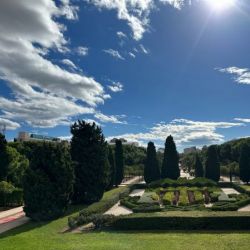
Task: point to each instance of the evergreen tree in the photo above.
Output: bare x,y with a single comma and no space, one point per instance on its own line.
245,163
151,168
212,164
112,168
89,153
4,158
199,172
119,162
48,182
170,165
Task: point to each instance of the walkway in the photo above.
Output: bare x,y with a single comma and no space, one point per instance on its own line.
12,218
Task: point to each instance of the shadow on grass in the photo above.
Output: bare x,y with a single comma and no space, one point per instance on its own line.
38,224
192,231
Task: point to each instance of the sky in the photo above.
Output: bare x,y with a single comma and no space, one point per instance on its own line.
141,69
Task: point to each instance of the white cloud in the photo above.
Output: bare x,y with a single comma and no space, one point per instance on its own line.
82,51
114,53
120,34
69,63
143,49
242,75
245,120
185,132
116,87
110,118
132,54
44,94
9,125
178,4
134,12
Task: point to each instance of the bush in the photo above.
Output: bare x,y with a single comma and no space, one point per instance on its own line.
130,201
109,199
147,208
48,183
102,220
196,182
149,198
184,221
9,195
167,198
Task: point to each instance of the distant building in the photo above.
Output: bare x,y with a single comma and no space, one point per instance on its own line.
124,142
190,150
25,136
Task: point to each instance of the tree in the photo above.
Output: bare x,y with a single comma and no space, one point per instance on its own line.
119,162
151,169
198,167
170,164
4,158
212,164
48,182
112,168
89,153
245,163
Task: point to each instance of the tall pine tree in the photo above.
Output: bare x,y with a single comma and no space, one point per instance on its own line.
119,162
170,165
199,172
245,163
151,168
112,168
212,164
89,152
4,158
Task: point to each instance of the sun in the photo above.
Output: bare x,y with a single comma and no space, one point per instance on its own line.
220,5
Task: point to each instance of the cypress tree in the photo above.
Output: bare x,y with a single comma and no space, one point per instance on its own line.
212,164
4,158
199,172
170,164
119,162
112,168
244,163
151,167
89,153
48,182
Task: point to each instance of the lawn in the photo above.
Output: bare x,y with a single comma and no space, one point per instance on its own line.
47,236
246,187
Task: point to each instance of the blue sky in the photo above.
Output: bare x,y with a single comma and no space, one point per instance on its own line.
142,69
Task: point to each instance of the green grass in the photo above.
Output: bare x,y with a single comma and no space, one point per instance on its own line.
47,236
246,187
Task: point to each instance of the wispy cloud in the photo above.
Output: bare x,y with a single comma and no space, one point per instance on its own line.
245,120
110,118
114,53
242,75
116,87
185,132
121,35
143,49
132,54
69,63
82,51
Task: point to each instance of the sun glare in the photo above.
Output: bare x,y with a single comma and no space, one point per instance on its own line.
220,5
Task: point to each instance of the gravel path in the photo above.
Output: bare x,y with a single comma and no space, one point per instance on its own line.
245,209
228,191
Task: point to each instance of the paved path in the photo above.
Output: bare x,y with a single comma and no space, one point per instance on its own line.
117,209
228,191
134,180
245,209
12,218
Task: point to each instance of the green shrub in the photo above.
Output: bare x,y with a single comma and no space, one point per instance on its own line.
198,197
9,195
109,199
167,198
147,197
102,220
214,197
147,208
130,201
172,221
183,198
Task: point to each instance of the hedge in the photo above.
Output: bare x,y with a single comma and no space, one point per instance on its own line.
196,182
9,195
184,221
109,199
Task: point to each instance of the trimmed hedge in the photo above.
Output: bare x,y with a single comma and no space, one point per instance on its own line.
109,199
196,182
186,221
9,195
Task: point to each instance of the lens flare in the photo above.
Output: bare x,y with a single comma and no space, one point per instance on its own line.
220,5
